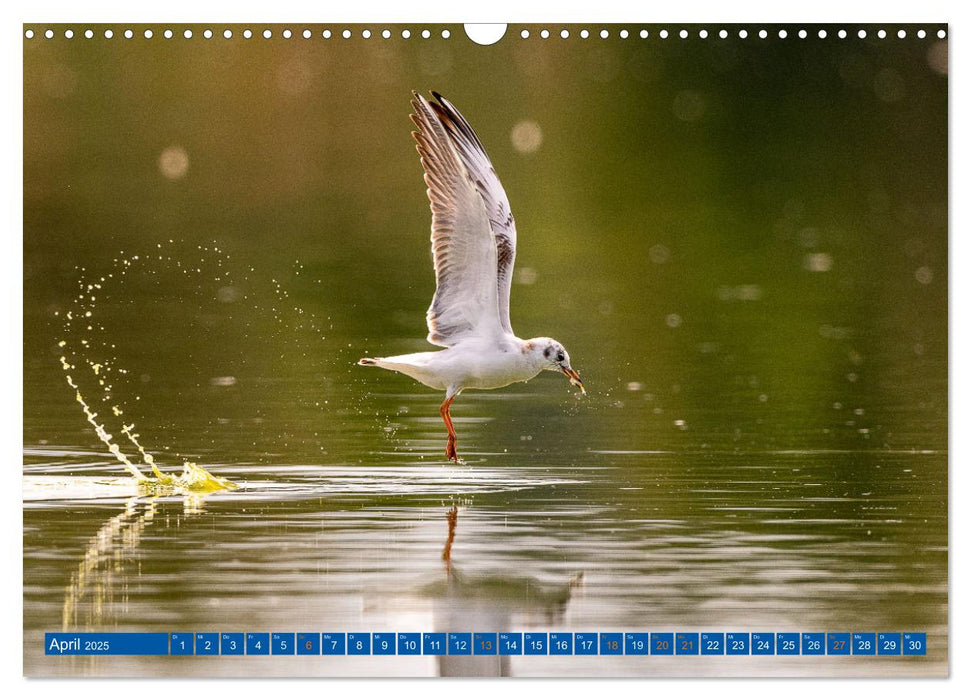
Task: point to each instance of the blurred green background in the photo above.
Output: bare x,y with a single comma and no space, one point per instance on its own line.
747,231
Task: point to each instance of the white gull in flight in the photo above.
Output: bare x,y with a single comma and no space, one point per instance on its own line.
474,248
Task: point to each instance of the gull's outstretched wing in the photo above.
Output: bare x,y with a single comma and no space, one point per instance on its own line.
473,232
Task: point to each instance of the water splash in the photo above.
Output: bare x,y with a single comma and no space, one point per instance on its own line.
193,479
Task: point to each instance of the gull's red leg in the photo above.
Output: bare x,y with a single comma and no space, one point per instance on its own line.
450,450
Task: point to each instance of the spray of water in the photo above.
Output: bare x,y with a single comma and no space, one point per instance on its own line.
193,477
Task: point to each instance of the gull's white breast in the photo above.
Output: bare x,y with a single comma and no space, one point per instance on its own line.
474,363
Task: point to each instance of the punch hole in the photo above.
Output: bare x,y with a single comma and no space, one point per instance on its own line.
644,34
405,34
69,34
841,33
703,34
545,34
822,34
742,34
425,34
723,34
228,34
486,34
247,34
167,33
366,34
207,34
49,34
88,34
882,34
803,33
902,34
921,34
187,34
129,33
287,34
783,33
148,34
307,33
446,34
941,34
325,34
604,33
267,34
386,34
346,34
683,33
624,34
524,34
861,33
763,34
584,34
663,34
564,34
29,34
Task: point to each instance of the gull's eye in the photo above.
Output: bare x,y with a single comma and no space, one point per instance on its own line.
560,357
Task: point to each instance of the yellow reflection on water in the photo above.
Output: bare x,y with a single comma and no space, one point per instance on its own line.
99,585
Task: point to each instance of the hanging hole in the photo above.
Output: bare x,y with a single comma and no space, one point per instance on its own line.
485,34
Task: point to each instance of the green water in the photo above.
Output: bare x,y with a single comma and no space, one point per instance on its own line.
743,245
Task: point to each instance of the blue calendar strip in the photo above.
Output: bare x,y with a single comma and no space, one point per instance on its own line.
106,644
686,644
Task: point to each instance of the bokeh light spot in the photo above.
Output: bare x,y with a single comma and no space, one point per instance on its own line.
937,57
526,136
689,106
173,163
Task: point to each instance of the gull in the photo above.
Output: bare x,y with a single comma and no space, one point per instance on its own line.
473,249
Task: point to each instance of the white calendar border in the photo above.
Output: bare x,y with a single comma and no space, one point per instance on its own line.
765,11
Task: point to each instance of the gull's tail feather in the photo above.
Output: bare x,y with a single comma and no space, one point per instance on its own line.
367,362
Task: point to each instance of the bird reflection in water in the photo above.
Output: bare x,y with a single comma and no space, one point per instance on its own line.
492,604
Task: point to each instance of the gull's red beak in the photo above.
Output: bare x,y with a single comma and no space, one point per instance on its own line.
574,378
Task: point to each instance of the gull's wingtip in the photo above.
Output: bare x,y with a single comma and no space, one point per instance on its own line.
366,362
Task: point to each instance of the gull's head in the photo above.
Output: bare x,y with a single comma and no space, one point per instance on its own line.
550,354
